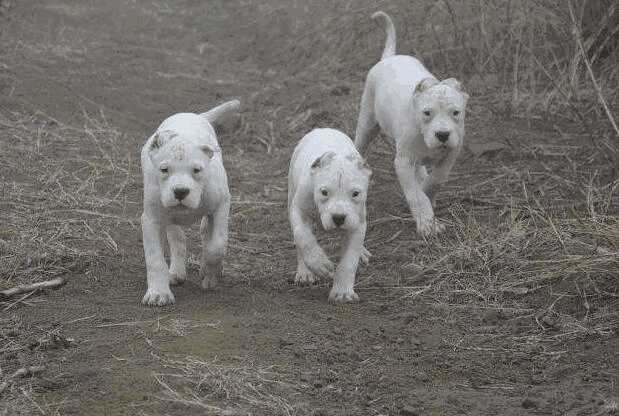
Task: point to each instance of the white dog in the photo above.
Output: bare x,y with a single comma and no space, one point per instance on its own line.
425,117
184,181
327,175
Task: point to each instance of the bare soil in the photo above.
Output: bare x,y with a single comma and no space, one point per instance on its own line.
259,345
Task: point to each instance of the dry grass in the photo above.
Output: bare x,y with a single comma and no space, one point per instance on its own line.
517,58
216,388
533,237
65,193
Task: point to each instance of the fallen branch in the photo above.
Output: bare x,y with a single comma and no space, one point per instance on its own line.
22,372
48,284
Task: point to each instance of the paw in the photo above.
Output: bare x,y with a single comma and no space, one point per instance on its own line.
343,295
429,227
365,255
305,278
211,274
177,278
159,297
317,261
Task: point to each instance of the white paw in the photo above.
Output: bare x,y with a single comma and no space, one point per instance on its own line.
305,278
158,297
177,278
343,295
429,227
365,255
211,274
317,261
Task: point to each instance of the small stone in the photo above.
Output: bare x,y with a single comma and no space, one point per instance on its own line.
340,90
409,411
529,403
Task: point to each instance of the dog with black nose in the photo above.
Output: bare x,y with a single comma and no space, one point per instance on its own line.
328,184
184,182
423,115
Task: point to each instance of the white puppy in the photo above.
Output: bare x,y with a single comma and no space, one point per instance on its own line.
425,117
184,181
328,176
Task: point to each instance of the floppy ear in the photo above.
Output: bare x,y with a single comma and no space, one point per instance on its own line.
364,167
361,163
323,160
425,83
161,138
208,150
453,83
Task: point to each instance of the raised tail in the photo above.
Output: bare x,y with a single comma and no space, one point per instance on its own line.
390,30
223,112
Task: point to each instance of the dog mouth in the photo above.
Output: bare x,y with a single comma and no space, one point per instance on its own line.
180,207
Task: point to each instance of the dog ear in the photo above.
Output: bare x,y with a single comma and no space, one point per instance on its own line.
161,138
323,160
208,150
364,167
453,83
361,163
425,83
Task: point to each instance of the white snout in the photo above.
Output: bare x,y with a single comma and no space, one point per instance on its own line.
340,215
442,132
181,191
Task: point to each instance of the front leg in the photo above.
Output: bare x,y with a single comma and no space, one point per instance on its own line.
304,276
440,173
158,292
310,252
344,279
178,254
408,171
214,232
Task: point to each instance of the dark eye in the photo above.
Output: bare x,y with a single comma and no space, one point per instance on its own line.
355,194
163,170
324,192
456,113
426,113
197,170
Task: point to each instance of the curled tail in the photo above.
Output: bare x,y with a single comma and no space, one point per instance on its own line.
390,30
222,112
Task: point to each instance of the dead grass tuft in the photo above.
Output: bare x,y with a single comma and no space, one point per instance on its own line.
228,389
64,192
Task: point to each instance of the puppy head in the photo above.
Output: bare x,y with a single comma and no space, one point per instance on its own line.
180,165
340,190
439,111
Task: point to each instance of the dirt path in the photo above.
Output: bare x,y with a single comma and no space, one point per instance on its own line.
259,345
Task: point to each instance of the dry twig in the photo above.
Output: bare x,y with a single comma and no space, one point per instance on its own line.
22,372
48,284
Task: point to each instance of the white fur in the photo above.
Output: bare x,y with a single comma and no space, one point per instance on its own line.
328,177
183,154
424,116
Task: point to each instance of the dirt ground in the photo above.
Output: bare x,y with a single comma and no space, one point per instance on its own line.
259,345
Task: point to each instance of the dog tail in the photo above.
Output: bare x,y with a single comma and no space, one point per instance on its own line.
222,113
390,30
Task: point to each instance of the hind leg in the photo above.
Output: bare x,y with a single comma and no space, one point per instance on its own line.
367,126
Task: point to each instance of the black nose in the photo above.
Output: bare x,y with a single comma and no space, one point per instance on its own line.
339,219
442,136
181,193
